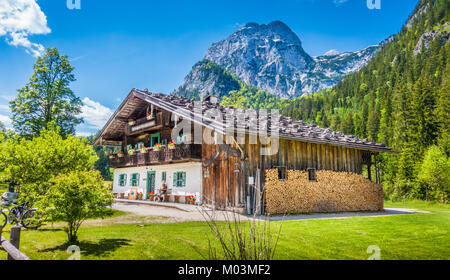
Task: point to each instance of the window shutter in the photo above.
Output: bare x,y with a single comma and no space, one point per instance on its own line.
134,179
183,174
175,177
122,180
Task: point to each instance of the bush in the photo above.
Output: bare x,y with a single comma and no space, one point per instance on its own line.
399,190
433,180
76,196
33,163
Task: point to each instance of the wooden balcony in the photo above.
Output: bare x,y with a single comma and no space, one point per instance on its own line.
181,153
142,125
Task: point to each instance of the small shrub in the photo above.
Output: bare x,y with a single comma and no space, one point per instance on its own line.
74,197
433,180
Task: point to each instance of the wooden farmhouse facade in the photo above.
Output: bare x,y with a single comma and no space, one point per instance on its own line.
238,159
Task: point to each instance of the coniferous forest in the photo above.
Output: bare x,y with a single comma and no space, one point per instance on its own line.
401,98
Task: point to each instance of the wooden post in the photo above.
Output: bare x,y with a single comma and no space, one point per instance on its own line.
14,239
258,192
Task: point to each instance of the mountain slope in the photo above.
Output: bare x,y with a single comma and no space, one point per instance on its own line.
271,57
206,77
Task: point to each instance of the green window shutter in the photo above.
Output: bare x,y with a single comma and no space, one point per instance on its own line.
163,176
134,180
122,180
175,179
183,174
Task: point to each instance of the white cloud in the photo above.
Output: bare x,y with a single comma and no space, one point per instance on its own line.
18,20
84,134
4,108
6,121
7,97
95,115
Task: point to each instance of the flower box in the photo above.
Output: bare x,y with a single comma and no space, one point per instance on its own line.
157,147
191,199
171,145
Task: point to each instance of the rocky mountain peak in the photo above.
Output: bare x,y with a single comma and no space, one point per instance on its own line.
271,57
331,53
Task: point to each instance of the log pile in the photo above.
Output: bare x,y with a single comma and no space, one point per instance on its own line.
333,192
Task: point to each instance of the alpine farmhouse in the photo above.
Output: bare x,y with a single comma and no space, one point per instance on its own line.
238,159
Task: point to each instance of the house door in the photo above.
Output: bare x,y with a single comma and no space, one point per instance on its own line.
151,175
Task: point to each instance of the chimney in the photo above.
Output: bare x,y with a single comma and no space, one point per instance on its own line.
212,99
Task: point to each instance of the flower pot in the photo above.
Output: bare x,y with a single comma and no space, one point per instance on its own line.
192,202
149,117
171,147
151,198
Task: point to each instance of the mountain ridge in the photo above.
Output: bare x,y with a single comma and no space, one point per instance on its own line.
271,57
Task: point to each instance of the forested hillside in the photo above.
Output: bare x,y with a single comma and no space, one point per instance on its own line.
401,98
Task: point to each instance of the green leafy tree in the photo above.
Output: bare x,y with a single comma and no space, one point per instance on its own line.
47,98
33,163
75,196
102,163
434,177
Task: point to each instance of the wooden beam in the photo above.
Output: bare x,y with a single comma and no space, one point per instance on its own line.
12,246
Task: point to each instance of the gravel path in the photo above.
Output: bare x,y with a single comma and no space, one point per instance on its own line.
165,214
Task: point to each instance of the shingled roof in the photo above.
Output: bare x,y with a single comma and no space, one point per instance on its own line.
184,107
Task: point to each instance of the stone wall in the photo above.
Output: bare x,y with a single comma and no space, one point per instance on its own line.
333,192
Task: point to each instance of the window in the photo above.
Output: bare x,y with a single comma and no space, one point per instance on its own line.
134,180
282,173
180,138
163,176
122,180
179,179
140,145
154,139
312,174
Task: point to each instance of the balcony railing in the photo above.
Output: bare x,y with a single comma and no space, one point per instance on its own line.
179,153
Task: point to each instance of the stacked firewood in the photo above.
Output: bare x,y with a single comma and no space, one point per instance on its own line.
332,192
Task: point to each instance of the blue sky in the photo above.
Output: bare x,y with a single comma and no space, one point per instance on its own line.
118,45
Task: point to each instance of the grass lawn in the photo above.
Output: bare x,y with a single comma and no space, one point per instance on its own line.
412,236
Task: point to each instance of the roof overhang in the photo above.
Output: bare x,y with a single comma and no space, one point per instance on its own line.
119,119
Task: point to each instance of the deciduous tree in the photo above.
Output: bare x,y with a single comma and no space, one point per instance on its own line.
47,98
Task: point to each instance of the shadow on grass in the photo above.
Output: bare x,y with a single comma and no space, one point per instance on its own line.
99,249
46,229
